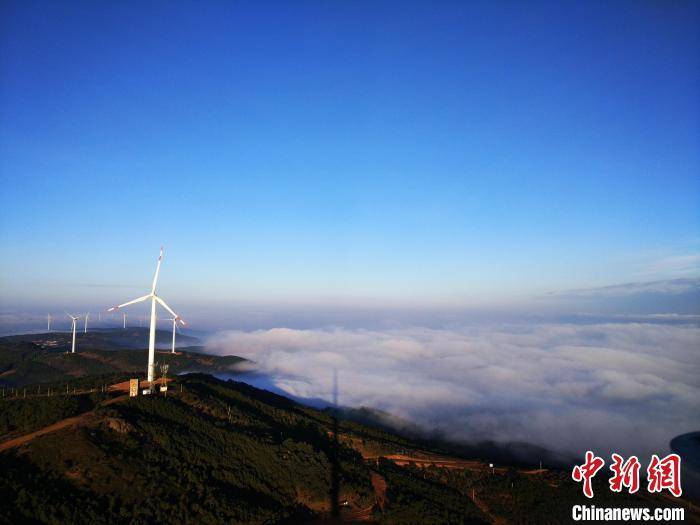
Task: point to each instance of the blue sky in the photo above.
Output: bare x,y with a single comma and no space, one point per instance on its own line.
356,152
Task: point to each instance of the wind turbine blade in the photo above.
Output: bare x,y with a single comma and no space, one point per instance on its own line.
130,302
165,305
155,277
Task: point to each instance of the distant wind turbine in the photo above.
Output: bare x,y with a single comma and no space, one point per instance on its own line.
74,322
124,321
48,323
86,320
174,320
154,299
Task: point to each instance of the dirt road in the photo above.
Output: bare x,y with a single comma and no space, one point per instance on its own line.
80,419
426,460
64,423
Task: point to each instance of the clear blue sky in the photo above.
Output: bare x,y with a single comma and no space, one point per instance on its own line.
355,150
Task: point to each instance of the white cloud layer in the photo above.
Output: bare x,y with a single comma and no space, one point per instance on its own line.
625,386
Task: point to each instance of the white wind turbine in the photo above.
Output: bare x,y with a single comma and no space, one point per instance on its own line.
86,320
152,336
74,322
48,322
174,321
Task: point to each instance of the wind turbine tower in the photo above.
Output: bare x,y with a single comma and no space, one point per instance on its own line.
154,298
86,320
74,322
48,323
174,320
124,321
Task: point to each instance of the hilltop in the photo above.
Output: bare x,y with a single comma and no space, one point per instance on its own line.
215,451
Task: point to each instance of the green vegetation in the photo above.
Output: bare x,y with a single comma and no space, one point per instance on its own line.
225,452
21,416
545,498
219,452
417,499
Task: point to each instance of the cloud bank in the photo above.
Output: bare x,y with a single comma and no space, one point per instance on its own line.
626,387
665,287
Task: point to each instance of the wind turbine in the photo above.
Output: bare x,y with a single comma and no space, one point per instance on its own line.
154,298
174,320
124,321
86,320
48,322
74,322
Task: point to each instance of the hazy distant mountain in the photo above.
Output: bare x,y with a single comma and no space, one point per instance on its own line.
677,296
106,338
43,358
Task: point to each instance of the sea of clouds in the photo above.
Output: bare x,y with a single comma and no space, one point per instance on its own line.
627,387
